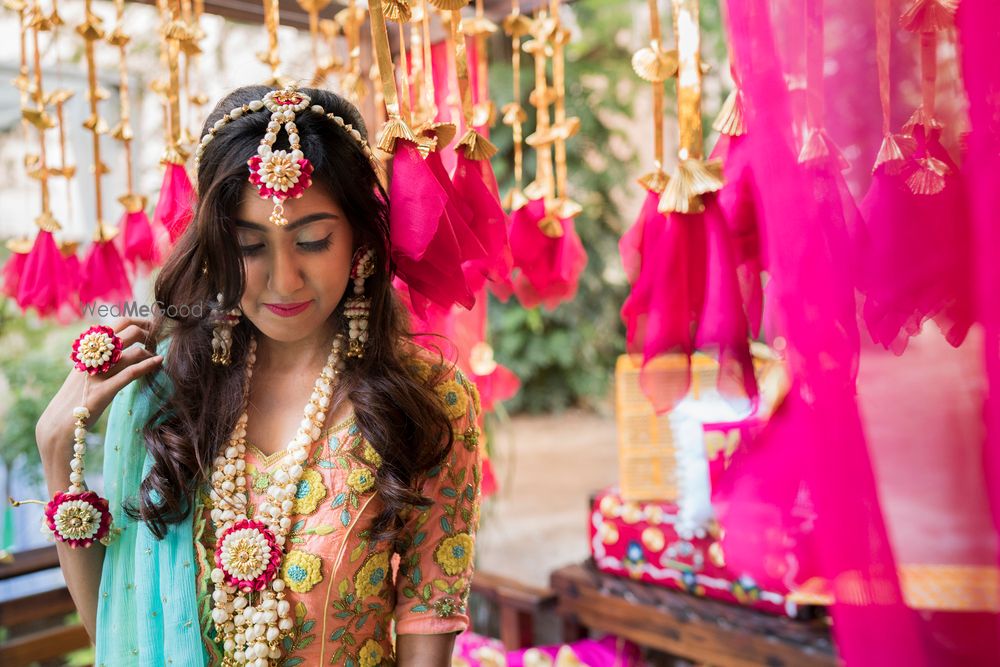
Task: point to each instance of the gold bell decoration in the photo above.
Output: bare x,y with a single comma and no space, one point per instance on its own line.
655,65
329,30
694,176
817,147
517,26
479,27
351,18
927,18
564,127
313,8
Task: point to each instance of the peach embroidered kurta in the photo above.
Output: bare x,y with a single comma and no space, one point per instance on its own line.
343,590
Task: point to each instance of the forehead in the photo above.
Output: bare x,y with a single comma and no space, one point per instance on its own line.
316,198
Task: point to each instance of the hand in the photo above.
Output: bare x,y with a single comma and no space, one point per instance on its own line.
54,431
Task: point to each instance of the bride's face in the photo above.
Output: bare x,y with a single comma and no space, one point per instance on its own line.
297,274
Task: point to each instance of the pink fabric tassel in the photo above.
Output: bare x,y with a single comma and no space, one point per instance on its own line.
475,181
175,207
738,201
723,323
45,284
459,215
913,261
425,248
12,272
104,276
662,311
138,243
549,268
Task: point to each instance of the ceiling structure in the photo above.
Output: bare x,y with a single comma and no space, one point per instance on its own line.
252,11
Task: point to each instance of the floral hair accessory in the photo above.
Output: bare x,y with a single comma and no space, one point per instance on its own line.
96,350
281,175
78,519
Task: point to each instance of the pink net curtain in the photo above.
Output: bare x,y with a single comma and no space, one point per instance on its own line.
877,482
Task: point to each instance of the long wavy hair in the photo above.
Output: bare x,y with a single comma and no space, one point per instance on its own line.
398,413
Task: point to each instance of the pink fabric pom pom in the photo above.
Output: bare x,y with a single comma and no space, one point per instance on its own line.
104,276
138,242
549,268
425,247
175,207
475,181
45,283
12,271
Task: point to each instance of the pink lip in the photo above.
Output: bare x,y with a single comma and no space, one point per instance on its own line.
287,309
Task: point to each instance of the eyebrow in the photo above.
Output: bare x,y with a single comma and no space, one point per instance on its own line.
312,217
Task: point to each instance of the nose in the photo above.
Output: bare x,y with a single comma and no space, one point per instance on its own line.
286,275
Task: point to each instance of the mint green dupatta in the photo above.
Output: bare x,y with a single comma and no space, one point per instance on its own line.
147,611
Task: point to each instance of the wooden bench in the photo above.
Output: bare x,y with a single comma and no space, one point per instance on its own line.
700,630
36,631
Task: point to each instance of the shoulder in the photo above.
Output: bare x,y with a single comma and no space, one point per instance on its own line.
457,392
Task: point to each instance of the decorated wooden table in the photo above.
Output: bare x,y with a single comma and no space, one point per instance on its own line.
699,630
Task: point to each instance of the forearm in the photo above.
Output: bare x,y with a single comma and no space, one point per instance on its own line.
81,567
424,650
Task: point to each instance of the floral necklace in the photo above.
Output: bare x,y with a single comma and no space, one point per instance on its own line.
251,615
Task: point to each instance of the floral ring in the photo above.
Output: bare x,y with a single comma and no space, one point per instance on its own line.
96,350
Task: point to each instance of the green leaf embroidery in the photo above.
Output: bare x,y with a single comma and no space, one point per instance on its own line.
345,518
446,525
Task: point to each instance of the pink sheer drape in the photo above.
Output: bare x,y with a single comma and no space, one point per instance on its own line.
869,480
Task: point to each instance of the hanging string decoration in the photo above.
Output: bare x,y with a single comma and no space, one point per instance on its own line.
139,246
103,276
916,215
685,292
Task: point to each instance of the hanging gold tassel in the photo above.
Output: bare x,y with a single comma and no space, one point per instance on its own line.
731,120
693,176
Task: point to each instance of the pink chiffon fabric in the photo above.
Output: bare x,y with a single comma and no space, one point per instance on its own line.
685,296
870,477
548,269
48,283
103,276
175,205
138,243
979,33
910,277
12,271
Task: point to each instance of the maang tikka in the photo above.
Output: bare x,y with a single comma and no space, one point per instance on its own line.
279,175
358,307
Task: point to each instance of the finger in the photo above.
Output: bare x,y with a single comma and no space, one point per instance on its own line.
122,322
130,357
133,334
134,371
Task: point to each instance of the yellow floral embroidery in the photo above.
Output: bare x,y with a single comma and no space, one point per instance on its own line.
454,397
301,571
310,492
474,392
370,654
371,456
370,579
454,553
361,480
419,368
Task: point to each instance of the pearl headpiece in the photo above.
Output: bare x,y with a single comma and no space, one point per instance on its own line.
281,175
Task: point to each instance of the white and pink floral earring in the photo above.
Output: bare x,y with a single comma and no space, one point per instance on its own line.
358,307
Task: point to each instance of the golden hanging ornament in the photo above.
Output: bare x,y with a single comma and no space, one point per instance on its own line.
693,176
564,127
92,31
516,25
351,18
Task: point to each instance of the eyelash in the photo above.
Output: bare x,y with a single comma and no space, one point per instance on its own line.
311,246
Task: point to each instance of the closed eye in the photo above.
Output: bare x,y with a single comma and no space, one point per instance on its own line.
316,246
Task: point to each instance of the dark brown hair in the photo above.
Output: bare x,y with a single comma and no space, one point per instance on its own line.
396,412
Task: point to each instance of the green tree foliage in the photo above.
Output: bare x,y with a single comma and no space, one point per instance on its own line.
565,357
